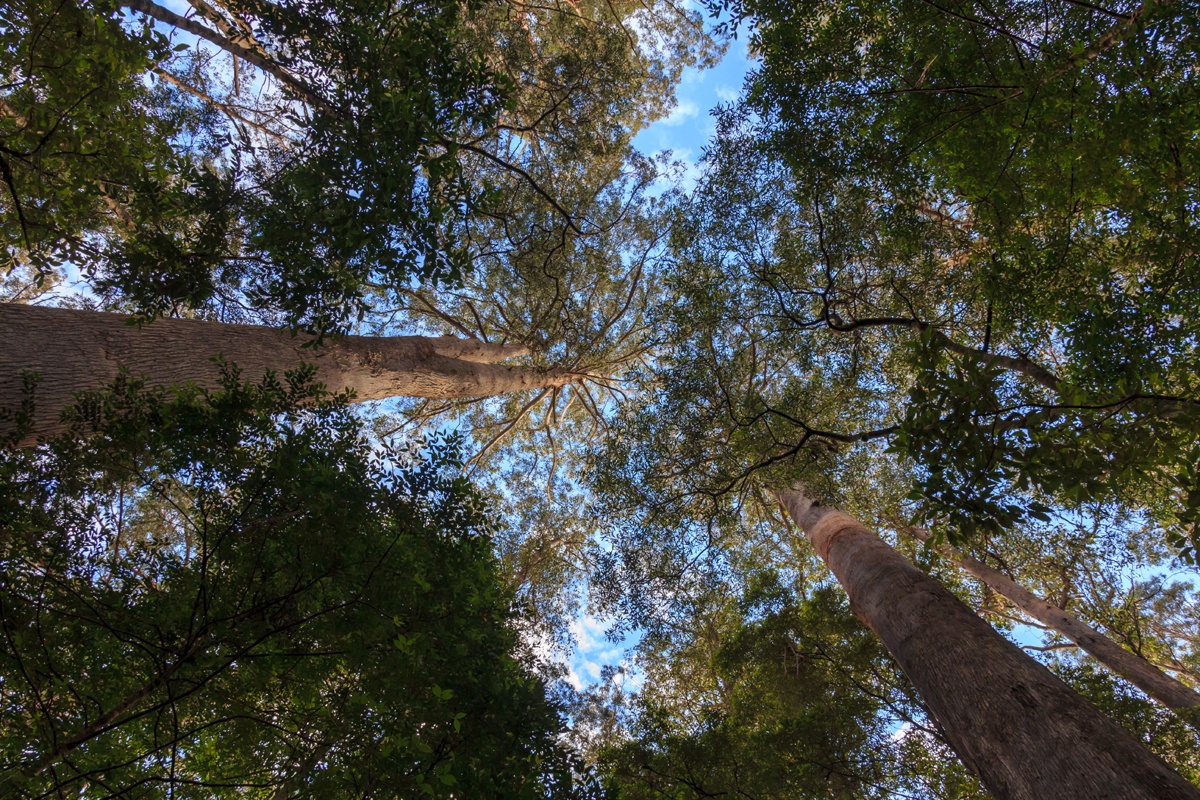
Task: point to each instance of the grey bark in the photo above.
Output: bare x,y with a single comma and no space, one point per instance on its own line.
1141,673
73,351
1025,733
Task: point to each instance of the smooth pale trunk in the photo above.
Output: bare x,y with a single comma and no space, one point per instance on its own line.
1025,733
73,351
1141,673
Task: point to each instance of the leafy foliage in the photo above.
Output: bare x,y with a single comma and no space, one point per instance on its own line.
298,162
1163,732
345,172
928,268
217,594
926,227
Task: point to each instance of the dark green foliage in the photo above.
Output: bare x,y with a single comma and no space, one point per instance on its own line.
1160,730
934,226
341,171
776,696
215,594
76,124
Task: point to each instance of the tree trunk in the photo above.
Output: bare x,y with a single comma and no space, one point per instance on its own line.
73,351
1133,668
1025,733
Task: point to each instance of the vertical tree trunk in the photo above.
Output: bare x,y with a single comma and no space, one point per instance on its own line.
1025,733
1135,669
72,351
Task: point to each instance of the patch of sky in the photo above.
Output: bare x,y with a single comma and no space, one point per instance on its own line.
595,650
684,133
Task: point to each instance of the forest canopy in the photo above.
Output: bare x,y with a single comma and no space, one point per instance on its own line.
936,267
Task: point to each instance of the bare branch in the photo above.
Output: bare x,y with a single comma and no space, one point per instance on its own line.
225,108
303,90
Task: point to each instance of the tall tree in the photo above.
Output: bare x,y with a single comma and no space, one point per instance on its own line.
66,351
899,278
296,201
1024,732
1137,670
1107,571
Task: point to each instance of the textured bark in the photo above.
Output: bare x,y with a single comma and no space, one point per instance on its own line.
1133,668
73,351
1025,733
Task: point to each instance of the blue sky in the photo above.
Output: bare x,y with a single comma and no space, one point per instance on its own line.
690,125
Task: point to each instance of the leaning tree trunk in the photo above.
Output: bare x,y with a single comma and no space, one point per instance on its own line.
1133,668
73,351
1025,733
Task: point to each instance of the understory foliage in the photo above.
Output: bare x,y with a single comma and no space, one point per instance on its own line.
777,695
219,595
1165,733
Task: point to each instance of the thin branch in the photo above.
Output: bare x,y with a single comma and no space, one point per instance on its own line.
1100,9
273,69
225,108
1114,36
237,31
508,427
508,165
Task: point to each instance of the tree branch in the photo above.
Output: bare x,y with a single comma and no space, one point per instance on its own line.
225,108
305,92
1114,36
537,187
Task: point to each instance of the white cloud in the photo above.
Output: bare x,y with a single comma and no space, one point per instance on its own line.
683,111
727,93
589,633
683,154
593,651
573,679
901,733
